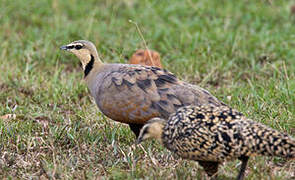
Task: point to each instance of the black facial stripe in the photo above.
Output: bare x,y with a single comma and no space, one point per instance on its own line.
78,47
145,130
89,66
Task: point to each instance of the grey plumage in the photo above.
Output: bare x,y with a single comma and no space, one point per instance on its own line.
133,94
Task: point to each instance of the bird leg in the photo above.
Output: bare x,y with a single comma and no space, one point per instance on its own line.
135,128
211,168
244,160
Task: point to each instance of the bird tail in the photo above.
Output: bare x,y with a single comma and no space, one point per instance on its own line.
263,140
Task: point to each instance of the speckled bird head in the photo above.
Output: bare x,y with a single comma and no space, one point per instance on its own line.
153,129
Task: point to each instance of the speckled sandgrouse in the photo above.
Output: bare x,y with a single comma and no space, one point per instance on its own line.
146,57
133,94
212,135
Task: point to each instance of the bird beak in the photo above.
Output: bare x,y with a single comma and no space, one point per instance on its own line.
138,141
64,48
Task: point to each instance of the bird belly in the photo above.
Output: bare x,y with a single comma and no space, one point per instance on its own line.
127,110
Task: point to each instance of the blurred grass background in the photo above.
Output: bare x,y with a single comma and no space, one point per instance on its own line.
242,51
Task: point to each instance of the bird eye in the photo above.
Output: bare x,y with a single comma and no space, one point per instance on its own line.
78,47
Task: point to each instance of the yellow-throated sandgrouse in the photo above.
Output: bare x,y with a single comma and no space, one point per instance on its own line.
133,94
212,135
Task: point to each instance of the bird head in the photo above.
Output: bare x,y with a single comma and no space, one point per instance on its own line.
84,50
152,129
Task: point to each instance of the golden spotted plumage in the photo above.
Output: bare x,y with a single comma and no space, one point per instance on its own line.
212,135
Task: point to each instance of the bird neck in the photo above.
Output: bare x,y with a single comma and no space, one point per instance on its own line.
156,130
92,65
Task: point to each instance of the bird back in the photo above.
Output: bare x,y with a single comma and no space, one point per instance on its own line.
212,133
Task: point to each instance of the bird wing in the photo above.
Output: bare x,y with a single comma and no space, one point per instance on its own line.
134,93
191,94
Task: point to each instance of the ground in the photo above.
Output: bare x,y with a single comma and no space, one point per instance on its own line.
241,51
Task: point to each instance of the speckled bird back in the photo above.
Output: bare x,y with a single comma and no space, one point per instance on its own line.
211,133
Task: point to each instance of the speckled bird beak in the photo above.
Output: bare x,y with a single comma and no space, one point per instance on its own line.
138,141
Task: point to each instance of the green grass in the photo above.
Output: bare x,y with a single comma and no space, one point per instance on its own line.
241,51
